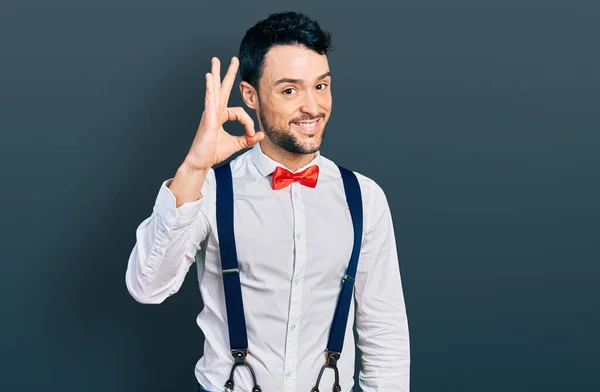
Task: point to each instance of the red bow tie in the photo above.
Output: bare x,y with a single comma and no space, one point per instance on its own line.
283,177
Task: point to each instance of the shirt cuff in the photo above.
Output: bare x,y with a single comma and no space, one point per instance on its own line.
165,207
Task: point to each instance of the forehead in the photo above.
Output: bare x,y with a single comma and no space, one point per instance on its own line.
294,62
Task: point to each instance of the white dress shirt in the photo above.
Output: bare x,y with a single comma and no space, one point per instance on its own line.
293,247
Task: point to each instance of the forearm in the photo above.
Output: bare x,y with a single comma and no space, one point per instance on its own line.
165,248
187,184
385,354
382,326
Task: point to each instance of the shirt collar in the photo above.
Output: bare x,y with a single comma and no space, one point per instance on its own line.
267,165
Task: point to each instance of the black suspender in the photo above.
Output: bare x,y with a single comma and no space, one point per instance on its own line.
231,279
236,320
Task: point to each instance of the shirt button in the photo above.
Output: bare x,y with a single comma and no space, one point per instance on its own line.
295,195
293,327
296,281
298,235
288,374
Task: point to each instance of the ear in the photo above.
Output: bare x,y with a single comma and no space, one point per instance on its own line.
249,95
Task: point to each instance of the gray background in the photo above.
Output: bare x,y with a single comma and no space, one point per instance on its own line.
479,119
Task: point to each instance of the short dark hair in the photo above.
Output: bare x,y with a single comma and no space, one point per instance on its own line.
282,28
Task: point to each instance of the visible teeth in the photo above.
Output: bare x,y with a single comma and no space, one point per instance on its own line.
307,125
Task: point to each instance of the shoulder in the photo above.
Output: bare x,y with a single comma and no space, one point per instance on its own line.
374,199
371,192
237,164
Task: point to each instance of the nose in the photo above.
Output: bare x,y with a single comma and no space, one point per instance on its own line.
310,105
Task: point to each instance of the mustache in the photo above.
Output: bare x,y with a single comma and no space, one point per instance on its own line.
308,118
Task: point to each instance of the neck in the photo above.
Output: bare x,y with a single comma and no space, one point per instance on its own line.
290,160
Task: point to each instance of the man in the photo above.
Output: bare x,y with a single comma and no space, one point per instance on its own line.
293,231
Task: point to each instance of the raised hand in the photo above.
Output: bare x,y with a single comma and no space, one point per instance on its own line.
212,144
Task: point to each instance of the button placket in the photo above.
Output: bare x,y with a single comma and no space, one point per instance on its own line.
295,289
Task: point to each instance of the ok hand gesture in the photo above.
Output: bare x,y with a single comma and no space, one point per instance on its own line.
212,144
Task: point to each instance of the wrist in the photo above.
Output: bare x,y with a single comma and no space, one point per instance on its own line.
191,168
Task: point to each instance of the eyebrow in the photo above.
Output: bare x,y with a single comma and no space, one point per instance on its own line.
288,80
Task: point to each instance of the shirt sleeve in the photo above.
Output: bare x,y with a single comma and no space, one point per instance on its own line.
166,244
381,321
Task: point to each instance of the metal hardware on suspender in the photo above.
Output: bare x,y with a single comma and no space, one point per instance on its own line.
331,359
240,360
348,278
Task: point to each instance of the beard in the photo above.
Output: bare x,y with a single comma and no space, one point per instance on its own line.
285,138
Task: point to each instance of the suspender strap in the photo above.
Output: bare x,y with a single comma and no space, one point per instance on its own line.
236,320
340,318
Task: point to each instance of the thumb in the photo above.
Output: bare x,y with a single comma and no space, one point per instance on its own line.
248,141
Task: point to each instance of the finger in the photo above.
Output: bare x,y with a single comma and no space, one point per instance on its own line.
239,114
216,72
228,81
246,141
210,108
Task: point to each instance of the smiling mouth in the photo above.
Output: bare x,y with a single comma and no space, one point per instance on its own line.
307,124
308,127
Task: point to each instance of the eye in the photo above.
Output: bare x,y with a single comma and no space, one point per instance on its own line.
287,91
324,86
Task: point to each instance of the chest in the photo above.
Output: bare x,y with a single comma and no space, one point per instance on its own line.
297,232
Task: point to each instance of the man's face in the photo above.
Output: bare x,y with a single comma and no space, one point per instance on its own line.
295,98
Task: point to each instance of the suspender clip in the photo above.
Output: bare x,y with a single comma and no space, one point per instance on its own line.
331,358
240,356
330,362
